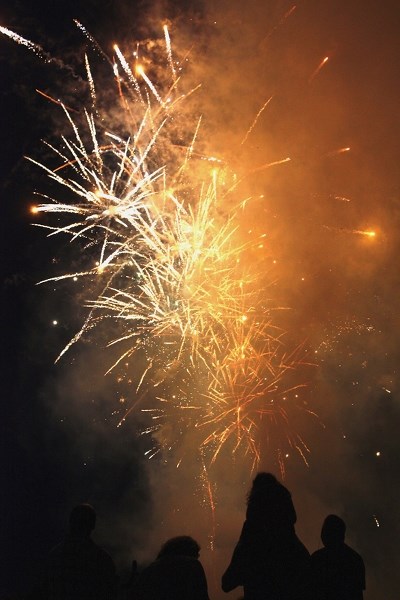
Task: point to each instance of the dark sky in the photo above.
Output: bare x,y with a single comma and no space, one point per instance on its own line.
60,444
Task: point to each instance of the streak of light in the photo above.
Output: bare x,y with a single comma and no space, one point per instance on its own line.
338,151
55,101
317,70
271,164
366,233
264,106
281,21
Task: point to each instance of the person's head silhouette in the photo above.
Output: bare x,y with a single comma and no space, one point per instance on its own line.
82,520
182,545
333,531
264,484
265,481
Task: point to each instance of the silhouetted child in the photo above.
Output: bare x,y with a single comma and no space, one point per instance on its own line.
338,570
77,568
176,574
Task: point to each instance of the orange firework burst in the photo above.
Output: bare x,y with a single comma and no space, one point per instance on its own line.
150,216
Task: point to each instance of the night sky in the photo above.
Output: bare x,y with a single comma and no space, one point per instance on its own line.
338,122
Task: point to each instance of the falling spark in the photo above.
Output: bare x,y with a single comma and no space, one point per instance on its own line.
376,520
338,151
141,72
342,198
38,50
271,164
317,70
264,106
366,233
58,102
169,51
282,20
370,234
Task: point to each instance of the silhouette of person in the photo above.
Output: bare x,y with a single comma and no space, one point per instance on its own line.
176,574
338,571
77,568
269,560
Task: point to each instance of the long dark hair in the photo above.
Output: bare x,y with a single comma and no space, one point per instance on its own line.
270,502
263,484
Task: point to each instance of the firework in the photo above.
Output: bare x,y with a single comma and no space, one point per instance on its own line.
149,214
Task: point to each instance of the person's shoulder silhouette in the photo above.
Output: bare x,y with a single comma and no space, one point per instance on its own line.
176,574
78,569
338,570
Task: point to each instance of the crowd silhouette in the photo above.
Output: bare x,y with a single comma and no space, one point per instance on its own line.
269,561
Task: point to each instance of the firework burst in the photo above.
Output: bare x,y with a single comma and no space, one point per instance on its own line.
175,271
